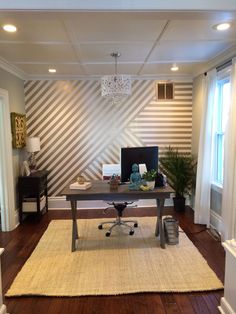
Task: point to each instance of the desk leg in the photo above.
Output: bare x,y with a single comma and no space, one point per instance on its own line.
159,227
74,225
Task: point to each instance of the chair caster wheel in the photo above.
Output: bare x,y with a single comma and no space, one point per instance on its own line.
100,227
131,232
108,234
136,225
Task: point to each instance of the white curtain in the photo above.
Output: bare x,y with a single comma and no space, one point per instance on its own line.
204,166
229,185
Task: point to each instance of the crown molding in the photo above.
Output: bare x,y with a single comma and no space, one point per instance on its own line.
165,77
48,77
213,63
5,65
223,57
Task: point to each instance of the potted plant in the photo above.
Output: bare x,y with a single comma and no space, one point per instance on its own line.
149,177
180,169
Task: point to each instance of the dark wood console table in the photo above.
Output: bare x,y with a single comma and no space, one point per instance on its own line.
100,190
33,186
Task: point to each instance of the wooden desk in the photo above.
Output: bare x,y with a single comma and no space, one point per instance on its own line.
100,190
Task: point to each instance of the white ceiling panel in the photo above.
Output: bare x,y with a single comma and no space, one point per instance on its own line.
130,52
109,69
80,42
192,51
62,69
110,26
37,53
198,30
164,69
35,28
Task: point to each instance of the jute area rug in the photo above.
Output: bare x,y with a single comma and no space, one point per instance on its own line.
119,264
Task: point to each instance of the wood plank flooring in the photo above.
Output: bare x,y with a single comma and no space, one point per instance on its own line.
20,243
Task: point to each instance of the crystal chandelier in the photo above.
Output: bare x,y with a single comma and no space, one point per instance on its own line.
116,86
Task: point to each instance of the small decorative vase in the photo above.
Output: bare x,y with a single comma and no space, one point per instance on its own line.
81,180
150,184
114,183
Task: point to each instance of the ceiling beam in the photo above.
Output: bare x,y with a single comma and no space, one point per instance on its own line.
120,5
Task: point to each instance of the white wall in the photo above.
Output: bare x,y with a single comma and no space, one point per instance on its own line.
15,88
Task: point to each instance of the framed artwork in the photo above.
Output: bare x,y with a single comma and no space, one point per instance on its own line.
18,129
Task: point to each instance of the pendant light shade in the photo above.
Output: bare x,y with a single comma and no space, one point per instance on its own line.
117,86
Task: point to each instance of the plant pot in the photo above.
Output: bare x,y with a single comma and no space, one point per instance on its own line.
179,204
150,184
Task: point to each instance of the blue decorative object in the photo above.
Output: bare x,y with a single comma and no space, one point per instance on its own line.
135,178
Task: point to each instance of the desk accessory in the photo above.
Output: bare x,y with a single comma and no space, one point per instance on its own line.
149,177
171,230
78,186
81,180
114,182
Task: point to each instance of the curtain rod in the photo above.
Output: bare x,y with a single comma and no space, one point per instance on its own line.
224,65
221,66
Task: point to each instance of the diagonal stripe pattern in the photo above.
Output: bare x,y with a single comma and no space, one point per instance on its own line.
79,130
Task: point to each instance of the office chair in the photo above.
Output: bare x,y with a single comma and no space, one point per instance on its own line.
119,206
107,171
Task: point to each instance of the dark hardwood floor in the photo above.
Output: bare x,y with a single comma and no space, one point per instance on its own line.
20,243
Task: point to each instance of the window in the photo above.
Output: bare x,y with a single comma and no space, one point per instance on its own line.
165,91
220,121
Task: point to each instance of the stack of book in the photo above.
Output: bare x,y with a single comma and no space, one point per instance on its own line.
77,186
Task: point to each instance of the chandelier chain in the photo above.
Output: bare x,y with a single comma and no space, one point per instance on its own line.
115,55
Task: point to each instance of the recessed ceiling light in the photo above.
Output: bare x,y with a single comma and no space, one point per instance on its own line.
174,67
52,70
9,28
222,26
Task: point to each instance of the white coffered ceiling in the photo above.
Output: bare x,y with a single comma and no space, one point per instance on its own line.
79,43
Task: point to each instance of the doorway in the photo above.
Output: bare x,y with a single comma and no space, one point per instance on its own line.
7,195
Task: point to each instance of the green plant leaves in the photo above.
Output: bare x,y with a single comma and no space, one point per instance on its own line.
150,175
180,169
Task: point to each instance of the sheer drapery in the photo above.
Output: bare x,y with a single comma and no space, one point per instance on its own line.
229,185
204,167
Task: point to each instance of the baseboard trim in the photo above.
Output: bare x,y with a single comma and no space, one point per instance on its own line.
16,220
225,308
215,221
60,203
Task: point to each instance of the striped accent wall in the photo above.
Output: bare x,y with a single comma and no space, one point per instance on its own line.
79,130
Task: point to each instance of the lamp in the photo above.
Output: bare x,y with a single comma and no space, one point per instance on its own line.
32,146
116,86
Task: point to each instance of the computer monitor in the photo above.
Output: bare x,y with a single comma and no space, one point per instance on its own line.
137,155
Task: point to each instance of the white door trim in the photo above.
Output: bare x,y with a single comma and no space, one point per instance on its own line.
6,166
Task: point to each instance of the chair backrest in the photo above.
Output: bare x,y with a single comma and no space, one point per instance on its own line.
109,169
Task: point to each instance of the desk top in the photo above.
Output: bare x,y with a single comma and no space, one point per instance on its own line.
100,190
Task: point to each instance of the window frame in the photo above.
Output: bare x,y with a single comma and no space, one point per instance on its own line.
223,77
